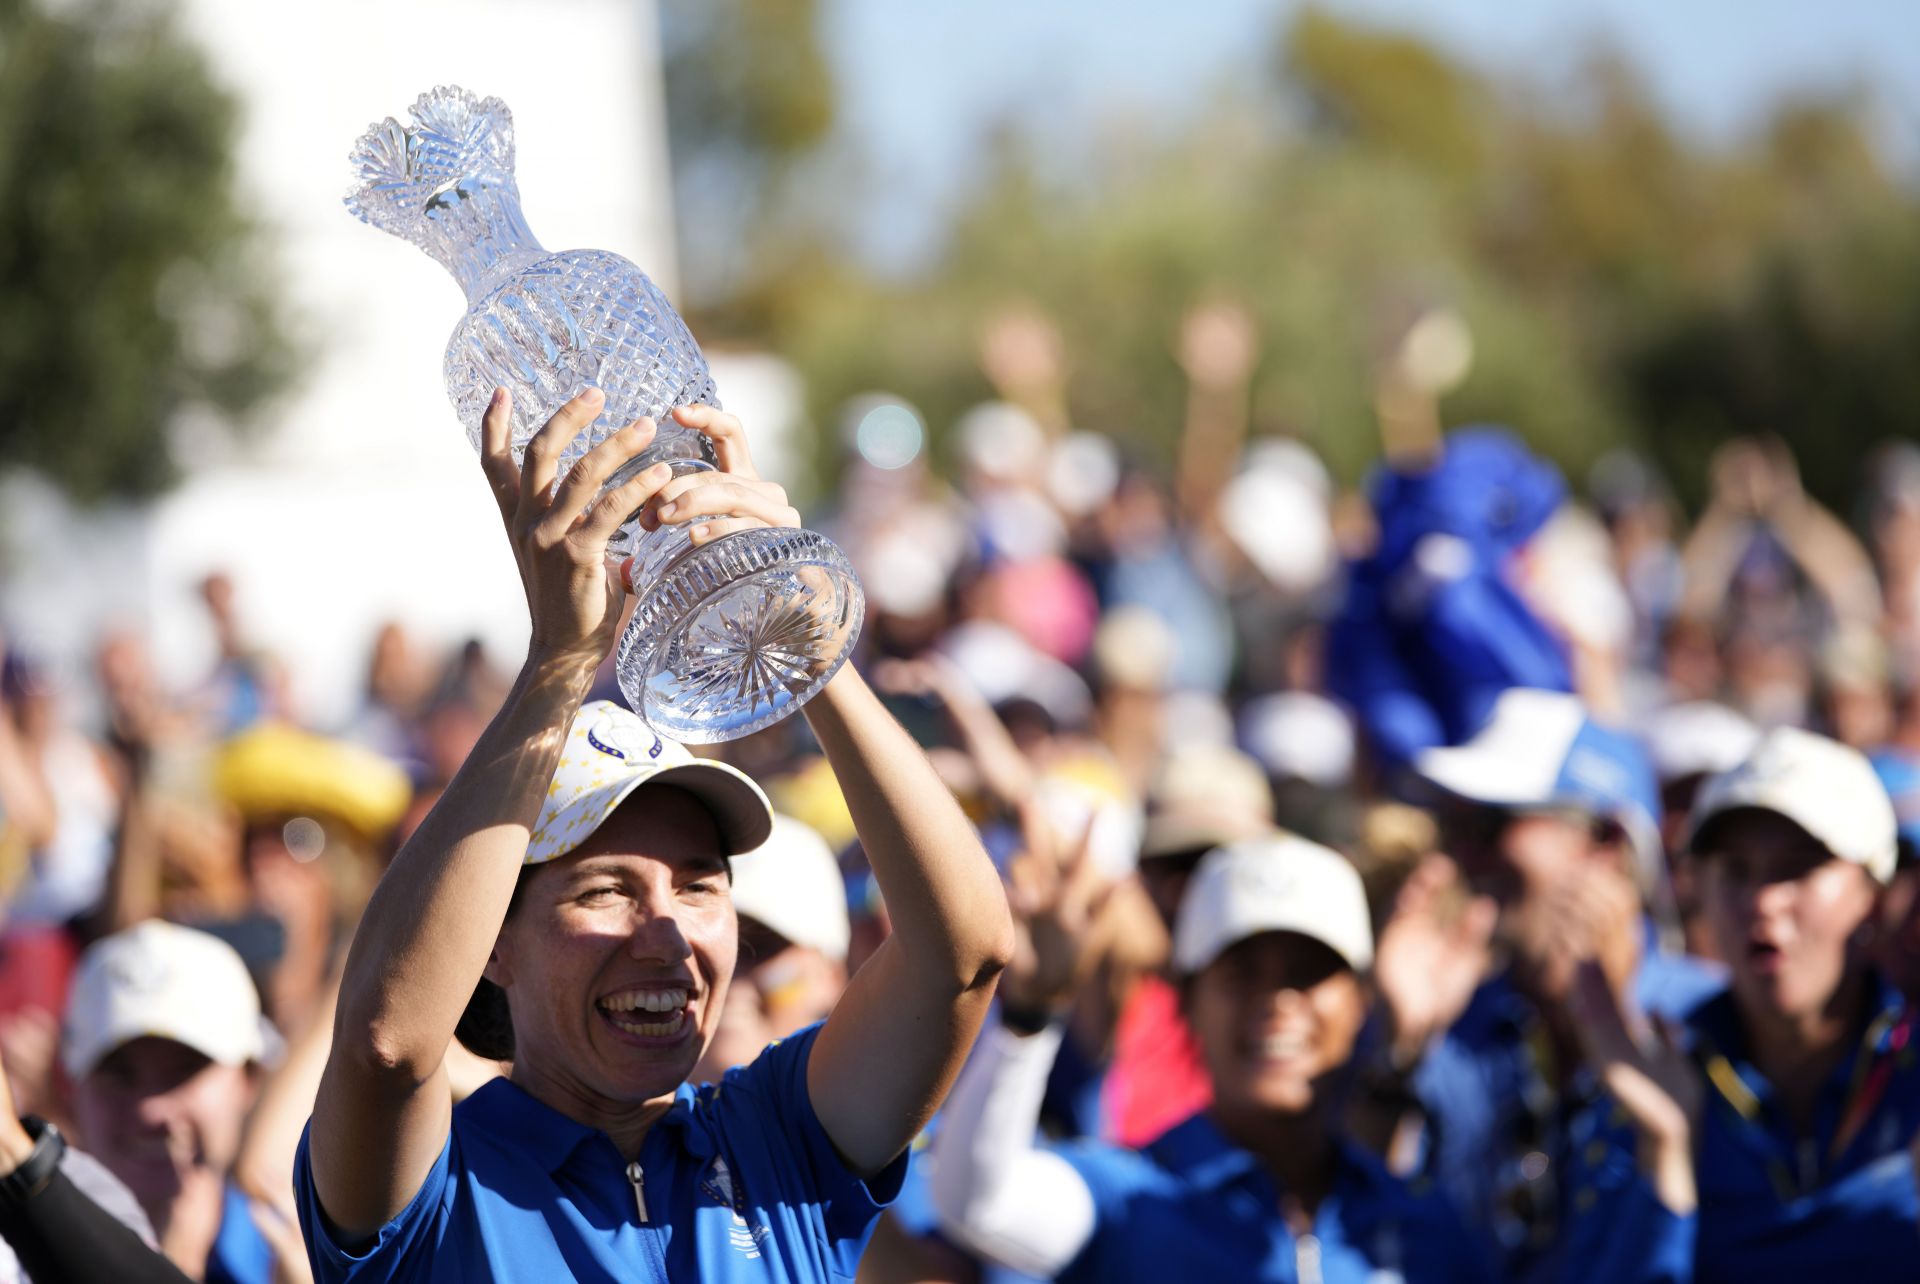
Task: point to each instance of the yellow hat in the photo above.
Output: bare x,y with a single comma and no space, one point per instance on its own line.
277,770
610,753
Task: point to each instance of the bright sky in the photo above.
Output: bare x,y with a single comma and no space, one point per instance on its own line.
921,78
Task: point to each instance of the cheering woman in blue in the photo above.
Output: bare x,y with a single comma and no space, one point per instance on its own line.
574,879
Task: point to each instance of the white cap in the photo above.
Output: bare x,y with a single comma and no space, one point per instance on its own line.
1821,785
792,884
1541,749
165,981
1280,883
1698,737
610,753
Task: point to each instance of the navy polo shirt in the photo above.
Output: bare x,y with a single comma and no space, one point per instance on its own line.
1193,1206
1776,1206
740,1183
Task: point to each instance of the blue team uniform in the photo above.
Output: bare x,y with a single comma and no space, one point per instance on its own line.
1838,1204
739,1182
1526,1161
1193,1206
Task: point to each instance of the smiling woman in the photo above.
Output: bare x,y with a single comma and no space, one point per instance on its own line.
1272,944
567,903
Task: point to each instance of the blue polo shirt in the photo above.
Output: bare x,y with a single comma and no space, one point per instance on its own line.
1838,1204
740,1182
1193,1206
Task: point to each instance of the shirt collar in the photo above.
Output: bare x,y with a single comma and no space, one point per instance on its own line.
518,1121
1718,1019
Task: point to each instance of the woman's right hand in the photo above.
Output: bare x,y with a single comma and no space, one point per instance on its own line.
560,529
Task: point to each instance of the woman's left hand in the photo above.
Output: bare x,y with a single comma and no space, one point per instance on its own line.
713,504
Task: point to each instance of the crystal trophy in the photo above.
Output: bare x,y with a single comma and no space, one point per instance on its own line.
725,638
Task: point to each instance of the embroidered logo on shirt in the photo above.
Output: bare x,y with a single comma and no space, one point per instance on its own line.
718,1186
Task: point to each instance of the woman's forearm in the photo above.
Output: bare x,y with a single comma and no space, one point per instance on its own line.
427,931
942,893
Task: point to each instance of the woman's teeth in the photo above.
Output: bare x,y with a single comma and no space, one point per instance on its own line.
1280,1046
627,1011
645,1001
670,1026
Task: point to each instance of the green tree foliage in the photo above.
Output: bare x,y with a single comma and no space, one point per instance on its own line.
749,96
132,283
1624,283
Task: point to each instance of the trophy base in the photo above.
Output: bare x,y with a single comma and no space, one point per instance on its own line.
737,634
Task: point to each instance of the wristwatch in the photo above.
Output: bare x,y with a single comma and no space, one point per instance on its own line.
37,1169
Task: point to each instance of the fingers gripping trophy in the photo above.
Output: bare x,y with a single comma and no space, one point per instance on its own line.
726,637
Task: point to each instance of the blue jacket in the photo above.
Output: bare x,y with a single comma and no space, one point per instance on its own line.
1837,1204
1193,1206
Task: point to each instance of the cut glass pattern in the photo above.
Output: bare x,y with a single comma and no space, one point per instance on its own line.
734,638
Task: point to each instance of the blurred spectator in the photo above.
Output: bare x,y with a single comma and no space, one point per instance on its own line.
1273,944
398,684
246,684
58,799
1810,1092
1689,744
65,1218
1550,818
164,1041
1203,800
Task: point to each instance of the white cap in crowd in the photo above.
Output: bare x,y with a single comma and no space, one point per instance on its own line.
610,753
1821,785
1542,749
160,980
1280,883
792,884
1699,737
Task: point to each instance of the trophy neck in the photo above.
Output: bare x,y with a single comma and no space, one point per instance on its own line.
476,231
445,183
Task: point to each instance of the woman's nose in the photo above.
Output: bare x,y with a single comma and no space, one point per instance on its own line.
657,938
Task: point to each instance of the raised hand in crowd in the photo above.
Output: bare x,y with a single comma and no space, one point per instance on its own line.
1005,772
1637,1060
1056,891
1217,348
1434,950
1644,1070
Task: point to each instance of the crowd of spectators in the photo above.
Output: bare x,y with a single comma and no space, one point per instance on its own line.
1505,861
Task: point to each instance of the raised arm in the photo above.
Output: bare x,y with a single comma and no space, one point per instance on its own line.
996,1191
900,1032
384,1105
